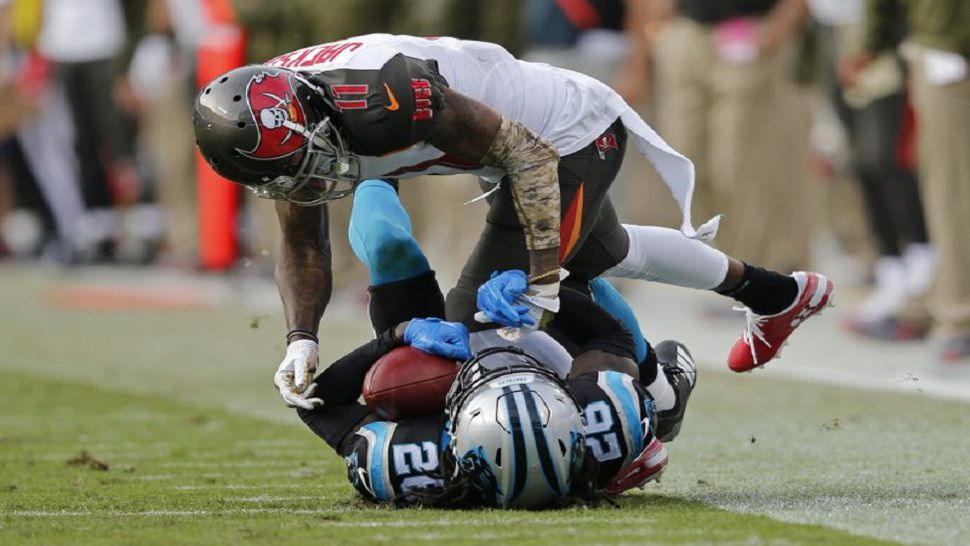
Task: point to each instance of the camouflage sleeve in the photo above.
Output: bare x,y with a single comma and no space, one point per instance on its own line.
532,166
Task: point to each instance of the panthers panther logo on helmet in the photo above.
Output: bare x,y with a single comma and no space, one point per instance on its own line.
278,115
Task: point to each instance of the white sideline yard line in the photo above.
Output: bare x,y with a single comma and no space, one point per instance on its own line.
239,486
152,457
558,521
223,464
145,457
269,443
297,474
163,513
266,498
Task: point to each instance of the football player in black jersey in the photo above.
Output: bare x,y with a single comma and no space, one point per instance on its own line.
384,459
387,461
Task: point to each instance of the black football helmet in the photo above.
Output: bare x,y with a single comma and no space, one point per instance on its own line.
270,130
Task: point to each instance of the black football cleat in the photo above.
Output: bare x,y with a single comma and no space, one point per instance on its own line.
678,366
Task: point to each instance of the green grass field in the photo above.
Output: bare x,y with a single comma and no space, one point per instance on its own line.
161,427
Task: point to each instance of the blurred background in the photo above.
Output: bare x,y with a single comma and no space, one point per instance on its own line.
830,133
140,324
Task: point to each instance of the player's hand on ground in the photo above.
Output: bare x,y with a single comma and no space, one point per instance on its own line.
295,375
498,300
438,337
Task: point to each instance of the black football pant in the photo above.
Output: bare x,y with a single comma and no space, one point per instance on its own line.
591,237
891,191
98,125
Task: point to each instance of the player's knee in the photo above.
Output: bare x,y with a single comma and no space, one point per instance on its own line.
393,247
390,252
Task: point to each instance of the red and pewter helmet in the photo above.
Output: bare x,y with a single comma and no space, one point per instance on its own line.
268,129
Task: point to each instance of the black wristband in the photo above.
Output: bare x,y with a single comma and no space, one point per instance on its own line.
297,331
390,335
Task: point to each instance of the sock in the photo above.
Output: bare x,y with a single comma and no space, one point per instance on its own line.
380,235
920,260
607,297
663,394
666,255
394,302
649,367
764,292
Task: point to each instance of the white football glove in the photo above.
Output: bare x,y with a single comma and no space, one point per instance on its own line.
294,378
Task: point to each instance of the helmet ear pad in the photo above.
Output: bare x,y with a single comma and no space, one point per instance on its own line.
252,124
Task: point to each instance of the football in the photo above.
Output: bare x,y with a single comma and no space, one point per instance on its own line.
408,382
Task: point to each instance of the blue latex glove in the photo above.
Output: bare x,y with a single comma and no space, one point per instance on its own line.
497,299
438,337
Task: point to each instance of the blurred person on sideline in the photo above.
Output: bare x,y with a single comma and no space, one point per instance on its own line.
14,108
157,90
606,39
937,48
878,122
589,36
46,204
727,99
85,41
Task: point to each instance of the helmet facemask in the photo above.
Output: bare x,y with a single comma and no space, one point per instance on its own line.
488,365
328,171
516,433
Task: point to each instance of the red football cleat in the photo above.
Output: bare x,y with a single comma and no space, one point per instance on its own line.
648,466
765,335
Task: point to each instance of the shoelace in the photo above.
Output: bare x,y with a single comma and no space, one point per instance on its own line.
681,368
753,330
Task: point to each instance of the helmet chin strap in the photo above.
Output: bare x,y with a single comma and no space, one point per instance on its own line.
316,88
323,138
298,128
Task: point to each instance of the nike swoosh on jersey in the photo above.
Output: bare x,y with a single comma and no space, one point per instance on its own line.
390,95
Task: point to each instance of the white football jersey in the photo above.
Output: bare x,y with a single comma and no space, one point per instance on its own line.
564,107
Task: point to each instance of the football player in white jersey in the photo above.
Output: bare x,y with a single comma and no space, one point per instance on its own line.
311,125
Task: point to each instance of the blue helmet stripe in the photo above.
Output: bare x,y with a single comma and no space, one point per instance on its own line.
376,459
445,441
542,443
518,445
629,408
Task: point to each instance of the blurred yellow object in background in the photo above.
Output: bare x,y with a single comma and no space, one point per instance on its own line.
26,16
